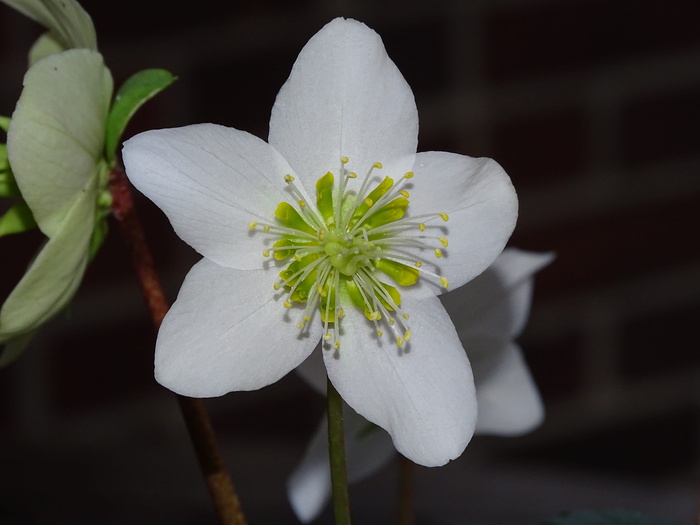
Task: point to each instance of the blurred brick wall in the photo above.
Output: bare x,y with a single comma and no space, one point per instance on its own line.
592,107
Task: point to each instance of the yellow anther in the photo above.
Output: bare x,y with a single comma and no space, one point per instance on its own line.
380,333
252,225
407,335
307,319
443,241
438,252
300,325
444,217
336,345
352,175
321,291
375,316
344,160
404,193
276,286
287,304
341,314
302,204
417,264
391,321
266,228
377,165
399,341
288,178
327,337
368,201
443,281
266,253
421,227
297,257
408,175
405,316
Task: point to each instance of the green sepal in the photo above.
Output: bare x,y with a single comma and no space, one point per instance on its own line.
401,273
393,293
324,197
99,234
282,254
327,301
290,218
137,89
17,219
391,212
355,295
301,292
297,266
4,123
373,197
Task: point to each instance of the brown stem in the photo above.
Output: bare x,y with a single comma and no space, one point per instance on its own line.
202,434
407,473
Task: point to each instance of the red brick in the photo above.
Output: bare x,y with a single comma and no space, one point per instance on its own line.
542,148
661,344
661,127
617,245
549,37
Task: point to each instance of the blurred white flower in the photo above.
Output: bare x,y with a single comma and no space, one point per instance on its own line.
489,313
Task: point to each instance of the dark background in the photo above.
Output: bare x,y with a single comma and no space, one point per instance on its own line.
592,107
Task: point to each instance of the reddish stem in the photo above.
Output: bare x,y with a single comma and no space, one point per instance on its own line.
202,434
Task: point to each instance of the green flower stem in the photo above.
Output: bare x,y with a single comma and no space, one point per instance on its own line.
407,491
216,476
336,452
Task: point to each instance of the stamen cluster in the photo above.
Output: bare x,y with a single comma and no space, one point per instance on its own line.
336,246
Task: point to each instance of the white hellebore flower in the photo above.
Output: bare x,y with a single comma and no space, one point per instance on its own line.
336,230
489,312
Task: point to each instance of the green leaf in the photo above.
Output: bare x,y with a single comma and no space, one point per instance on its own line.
4,123
138,88
17,219
56,136
607,517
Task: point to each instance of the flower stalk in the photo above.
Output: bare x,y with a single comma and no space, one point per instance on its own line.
336,453
216,476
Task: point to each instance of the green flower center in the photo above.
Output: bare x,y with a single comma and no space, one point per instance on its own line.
337,247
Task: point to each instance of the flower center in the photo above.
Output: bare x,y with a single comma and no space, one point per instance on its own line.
336,248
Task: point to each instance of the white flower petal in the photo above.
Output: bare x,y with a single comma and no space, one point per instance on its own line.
227,332
508,399
482,207
67,20
212,182
367,449
423,394
497,302
55,274
344,97
56,136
